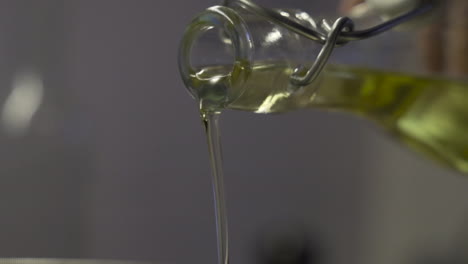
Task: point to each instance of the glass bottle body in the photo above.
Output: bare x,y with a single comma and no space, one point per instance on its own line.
427,114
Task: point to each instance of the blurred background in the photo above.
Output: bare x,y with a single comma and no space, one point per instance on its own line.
103,154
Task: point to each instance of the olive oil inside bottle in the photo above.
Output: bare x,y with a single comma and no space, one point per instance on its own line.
429,115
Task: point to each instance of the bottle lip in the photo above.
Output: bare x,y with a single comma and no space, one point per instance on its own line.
236,30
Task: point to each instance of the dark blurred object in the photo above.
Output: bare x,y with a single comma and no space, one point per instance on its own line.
445,42
288,248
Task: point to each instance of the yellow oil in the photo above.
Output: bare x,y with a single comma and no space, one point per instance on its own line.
428,114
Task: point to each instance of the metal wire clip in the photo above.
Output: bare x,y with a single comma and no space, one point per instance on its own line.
339,34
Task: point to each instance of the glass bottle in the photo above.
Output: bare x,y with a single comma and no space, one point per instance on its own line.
233,58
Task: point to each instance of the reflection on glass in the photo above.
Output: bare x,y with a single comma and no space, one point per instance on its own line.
272,37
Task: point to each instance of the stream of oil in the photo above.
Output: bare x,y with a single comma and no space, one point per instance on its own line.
211,124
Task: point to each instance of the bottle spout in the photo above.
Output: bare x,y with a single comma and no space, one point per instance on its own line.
214,56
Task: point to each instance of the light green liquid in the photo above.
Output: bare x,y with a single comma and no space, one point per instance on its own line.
210,122
428,115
